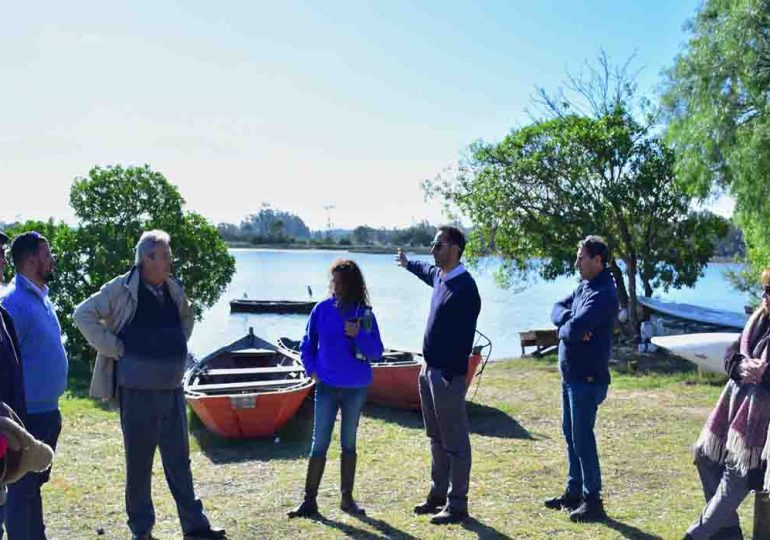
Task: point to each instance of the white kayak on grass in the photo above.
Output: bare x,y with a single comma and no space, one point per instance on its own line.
706,350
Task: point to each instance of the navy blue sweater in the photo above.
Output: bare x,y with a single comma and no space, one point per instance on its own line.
589,311
454,309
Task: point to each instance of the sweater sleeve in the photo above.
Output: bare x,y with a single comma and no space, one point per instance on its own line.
425,271
88,318
593,312
309,346
562,310
466,313
369,342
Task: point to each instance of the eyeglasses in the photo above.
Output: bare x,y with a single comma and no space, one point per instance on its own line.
439,245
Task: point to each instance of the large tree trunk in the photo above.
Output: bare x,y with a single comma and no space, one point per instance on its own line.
633,319
620,284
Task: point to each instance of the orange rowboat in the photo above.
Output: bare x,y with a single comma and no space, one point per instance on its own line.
394,375
246,389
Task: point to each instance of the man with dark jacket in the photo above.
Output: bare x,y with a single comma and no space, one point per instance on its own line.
11,379
447,344
585,319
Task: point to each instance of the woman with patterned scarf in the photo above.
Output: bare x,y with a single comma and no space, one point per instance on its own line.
731,452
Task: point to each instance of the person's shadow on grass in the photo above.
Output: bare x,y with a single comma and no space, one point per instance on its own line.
482,419
483,531
629,531
387,531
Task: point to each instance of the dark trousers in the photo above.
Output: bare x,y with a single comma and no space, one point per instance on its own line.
580,402
446,423
24,506
153,419
725,489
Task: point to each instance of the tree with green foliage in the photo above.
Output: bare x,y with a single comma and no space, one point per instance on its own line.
544,187
719,114
114,205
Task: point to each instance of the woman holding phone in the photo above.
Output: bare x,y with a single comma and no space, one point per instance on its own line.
340,339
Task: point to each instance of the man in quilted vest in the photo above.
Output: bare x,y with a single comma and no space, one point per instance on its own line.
139,324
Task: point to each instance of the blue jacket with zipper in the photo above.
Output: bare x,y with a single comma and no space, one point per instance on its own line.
586,319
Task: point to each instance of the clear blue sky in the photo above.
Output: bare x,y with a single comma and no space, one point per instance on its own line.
293,103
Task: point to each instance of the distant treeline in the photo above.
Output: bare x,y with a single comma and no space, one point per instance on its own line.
271,226
732,245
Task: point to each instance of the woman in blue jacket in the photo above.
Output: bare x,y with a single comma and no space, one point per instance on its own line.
340,340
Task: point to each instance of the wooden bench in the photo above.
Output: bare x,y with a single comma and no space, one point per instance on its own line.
244,385
253,371
252,352
542,340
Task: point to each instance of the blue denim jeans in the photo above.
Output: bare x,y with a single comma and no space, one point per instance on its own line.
328,400
580,401
24,507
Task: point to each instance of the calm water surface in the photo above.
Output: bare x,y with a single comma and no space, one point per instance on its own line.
401,301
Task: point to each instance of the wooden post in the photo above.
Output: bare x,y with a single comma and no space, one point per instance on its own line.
761,515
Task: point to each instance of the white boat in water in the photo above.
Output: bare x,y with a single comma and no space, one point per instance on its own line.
705,350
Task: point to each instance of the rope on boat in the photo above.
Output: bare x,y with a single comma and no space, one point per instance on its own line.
485,359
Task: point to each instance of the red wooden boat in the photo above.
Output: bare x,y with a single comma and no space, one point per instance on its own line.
394,375
246,389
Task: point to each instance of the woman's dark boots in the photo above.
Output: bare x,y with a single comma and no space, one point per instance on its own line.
347,480
309,506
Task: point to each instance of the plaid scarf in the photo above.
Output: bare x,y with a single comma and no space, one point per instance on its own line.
736,430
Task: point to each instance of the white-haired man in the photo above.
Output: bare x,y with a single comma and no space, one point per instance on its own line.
139,324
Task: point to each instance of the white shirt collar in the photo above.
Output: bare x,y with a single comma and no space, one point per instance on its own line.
456,271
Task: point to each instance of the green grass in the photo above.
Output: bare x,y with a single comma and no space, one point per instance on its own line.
645,429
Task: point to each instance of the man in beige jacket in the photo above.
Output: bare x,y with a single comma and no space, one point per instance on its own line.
139,324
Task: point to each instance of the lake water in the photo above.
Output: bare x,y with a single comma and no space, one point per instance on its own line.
401,301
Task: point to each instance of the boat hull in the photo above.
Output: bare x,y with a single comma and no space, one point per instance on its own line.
246,416
397,385
705,350
247,389
263,306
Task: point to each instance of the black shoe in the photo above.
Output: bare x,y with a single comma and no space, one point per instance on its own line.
430,506
308,508
206,534
589,510
448,516
565,500
315,471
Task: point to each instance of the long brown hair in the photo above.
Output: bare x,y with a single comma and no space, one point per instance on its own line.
354,287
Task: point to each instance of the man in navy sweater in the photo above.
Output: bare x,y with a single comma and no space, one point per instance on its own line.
585,320
447,344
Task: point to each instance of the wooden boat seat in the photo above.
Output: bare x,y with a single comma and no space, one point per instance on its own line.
243,385
253,371
252,352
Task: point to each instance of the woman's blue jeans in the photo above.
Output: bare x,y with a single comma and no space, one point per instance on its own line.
328,400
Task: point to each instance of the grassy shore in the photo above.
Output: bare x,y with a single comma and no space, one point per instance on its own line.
644,429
